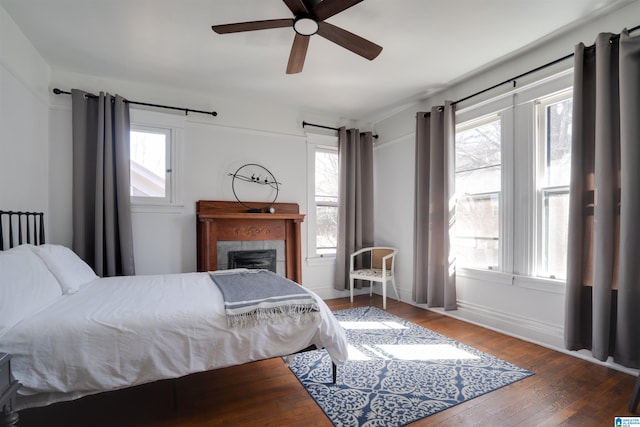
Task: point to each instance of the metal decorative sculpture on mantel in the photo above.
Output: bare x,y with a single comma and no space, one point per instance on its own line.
256,175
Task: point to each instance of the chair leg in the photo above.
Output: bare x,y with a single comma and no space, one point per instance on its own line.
351,287
633,404
395,289
384,295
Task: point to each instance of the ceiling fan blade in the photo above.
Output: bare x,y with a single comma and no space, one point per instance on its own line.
298,53
252,25
348,40
297,7
327,8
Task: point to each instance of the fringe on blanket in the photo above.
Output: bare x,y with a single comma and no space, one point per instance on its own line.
301,313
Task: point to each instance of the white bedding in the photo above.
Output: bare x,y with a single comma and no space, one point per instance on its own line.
119,332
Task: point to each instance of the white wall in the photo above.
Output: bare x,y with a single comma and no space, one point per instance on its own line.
24,120
215,151
393,206
531,309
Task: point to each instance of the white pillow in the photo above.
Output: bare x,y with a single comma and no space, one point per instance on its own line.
26,286
70,270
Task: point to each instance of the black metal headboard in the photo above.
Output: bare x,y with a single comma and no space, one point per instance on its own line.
17,228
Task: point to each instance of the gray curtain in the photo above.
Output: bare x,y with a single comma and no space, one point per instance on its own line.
434,281
355,208
603,268
102,232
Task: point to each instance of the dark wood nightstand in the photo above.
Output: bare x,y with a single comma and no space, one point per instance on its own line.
8,390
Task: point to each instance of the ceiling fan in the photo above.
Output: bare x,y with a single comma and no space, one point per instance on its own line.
309,17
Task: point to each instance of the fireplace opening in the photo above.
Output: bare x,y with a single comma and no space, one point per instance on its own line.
253,259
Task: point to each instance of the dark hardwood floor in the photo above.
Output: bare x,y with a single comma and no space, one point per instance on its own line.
564,391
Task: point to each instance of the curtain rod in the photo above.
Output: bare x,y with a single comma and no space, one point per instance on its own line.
326,127
542,67
186,110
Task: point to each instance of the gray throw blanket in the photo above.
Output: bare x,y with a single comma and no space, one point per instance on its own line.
260,296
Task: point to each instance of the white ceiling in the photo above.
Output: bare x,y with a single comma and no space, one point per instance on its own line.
426,45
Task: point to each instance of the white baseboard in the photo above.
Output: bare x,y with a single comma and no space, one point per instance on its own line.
511,324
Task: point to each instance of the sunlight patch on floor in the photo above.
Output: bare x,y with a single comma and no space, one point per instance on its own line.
373,325
409,352
426,352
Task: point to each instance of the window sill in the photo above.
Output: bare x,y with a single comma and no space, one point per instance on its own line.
541,284
483,275
157,208
321,260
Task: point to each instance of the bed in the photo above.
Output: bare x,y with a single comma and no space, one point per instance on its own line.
71,333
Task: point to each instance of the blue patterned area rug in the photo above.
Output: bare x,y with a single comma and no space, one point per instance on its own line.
398,372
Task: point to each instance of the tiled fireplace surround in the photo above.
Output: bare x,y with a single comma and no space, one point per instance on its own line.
225,246
227,226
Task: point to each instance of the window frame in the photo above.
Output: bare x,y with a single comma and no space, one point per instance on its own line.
315,143
541,143
172,126
519,205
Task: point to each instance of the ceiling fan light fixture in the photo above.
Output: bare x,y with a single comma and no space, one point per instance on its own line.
305,26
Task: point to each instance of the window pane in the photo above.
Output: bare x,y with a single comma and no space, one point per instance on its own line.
477,230
558,144
148,164
478,185
326,176
326,229
478,147
555,231
483,180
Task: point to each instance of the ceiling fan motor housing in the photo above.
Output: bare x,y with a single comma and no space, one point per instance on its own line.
305,26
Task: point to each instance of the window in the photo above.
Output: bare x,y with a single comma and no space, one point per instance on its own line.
478,167
150,171
326,201
553,142
512,181
322,217
154,159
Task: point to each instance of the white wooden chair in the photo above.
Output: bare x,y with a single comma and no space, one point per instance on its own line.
380,269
